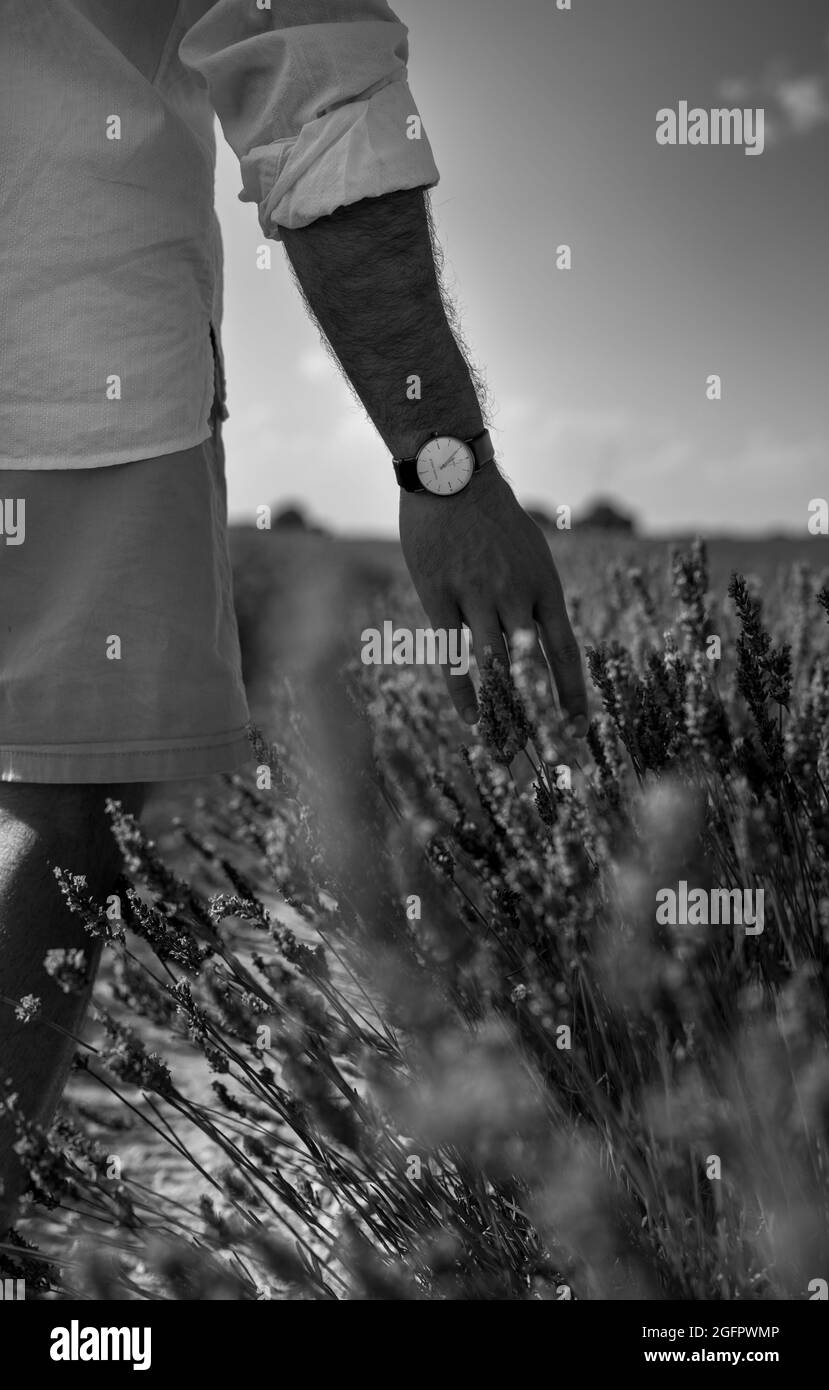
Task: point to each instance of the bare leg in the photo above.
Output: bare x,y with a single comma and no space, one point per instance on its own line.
41,826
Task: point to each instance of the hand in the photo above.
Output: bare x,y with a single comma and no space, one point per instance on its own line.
478,558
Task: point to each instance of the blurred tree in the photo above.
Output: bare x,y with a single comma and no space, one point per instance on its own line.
604,515
290,518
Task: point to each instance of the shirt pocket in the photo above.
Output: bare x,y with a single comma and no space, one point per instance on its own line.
219,408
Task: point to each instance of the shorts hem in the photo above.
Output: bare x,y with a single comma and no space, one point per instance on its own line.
172,761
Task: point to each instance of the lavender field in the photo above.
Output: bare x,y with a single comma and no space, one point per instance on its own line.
391,1015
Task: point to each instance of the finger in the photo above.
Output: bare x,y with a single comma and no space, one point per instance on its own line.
513,620
456,672
564,656
487,636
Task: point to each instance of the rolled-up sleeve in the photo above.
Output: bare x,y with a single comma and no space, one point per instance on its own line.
313,97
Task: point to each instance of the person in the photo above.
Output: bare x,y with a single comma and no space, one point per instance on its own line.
119,658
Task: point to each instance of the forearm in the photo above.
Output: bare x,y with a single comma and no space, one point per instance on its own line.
369,276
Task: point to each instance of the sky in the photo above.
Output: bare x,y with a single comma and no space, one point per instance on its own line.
686,262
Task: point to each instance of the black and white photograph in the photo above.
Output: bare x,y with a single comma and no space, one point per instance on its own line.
414,674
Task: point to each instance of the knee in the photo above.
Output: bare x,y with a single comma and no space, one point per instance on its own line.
64,825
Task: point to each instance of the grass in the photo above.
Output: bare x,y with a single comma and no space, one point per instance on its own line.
391,1015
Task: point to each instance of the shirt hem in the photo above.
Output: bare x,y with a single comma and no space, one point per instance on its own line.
63,462
167,761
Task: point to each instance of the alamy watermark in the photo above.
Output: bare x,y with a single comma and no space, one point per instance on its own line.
13,519
80,1343
701,907
422,646
720,126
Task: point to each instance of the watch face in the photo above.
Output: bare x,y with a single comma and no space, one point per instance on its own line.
445,465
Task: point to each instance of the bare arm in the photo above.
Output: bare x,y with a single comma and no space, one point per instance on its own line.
369,276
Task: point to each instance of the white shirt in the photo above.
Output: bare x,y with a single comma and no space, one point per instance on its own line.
110,252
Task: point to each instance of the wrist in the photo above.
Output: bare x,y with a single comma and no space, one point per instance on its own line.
405,442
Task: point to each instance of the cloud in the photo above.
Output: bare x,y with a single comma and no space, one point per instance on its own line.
795,104
673,478
804,102
314,364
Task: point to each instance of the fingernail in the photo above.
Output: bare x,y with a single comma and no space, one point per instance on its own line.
470,715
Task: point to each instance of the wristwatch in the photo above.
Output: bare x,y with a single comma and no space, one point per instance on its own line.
443,464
